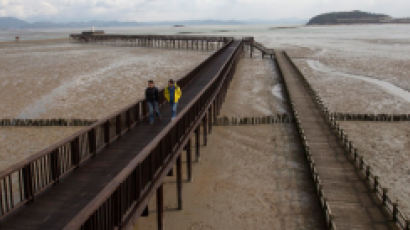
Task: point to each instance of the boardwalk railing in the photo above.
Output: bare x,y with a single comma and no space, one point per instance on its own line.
23,181
127,195
259,46
381,192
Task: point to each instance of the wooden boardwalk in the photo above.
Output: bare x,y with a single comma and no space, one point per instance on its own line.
58,205
351,203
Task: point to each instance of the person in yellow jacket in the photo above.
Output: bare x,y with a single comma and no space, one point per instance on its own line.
172,94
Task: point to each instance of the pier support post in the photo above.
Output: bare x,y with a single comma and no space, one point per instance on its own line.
214,112
205,129
210,120
160,207
197,140
179,182
189,160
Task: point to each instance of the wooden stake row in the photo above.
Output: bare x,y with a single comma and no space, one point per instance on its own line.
46,122
370,117
274,119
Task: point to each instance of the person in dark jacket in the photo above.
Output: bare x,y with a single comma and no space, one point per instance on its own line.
152,97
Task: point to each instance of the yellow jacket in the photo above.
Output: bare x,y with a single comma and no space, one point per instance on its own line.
177,93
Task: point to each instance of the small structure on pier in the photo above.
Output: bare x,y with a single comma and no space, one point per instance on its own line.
93,32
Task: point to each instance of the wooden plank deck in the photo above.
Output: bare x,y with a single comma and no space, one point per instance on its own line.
56,207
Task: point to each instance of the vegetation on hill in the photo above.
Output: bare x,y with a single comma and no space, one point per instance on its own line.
352,17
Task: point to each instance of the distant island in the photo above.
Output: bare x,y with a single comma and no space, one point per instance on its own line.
354,17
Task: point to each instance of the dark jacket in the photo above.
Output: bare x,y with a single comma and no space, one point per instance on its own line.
151,94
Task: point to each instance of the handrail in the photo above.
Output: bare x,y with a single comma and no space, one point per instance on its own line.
26,179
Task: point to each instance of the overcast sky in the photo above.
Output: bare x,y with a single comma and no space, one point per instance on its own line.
161,10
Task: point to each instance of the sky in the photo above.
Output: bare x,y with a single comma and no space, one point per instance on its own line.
171,10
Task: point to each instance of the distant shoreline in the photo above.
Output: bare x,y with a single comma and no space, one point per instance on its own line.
37,41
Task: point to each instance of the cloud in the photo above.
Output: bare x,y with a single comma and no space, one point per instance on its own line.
157,10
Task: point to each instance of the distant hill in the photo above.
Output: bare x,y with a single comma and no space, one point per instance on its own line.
9,22
14,23
354,17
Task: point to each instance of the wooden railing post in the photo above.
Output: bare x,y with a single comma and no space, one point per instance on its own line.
128,118
107,132
28,182
92,145
55,165
75,152
118,125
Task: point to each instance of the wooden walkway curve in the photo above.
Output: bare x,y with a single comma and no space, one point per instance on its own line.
57,206
351,203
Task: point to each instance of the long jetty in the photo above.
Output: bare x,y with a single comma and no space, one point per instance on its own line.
104,175
347,199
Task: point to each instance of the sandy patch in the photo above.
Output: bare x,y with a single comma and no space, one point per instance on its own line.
255,90
17,143
255,179
351,94
66,80
386,147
